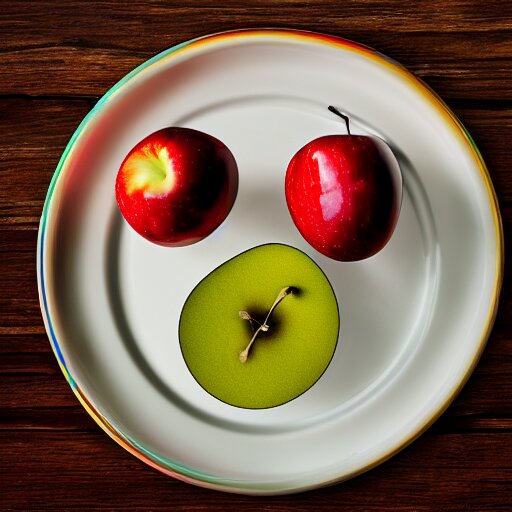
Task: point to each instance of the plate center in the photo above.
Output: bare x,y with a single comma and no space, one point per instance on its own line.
384,301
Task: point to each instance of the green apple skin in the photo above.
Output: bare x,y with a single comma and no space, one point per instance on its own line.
285,361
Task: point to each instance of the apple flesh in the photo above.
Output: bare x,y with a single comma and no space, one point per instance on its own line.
285,360
344,194
176,186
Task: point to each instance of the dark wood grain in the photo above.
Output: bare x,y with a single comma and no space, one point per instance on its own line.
90,470
56,59
453,47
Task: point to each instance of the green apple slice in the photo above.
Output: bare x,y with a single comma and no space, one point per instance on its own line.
287,359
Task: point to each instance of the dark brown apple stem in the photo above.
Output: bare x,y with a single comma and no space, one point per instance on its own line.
334,110
264,326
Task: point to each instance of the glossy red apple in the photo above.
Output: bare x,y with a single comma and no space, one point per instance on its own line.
176,186
344,194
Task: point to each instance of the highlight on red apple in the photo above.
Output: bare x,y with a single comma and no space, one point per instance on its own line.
176,186
344,194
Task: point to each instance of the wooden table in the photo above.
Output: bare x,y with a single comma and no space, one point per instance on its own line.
56,59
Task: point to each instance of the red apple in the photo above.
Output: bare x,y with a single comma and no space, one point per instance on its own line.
344,194
176,186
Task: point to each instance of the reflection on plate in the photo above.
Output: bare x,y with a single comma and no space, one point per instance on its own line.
413,319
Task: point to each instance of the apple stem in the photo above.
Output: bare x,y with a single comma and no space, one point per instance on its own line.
334,110
246,316
264,326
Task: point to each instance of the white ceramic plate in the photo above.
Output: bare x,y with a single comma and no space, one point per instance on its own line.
414,318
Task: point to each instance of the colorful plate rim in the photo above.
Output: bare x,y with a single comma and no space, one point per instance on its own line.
173,468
